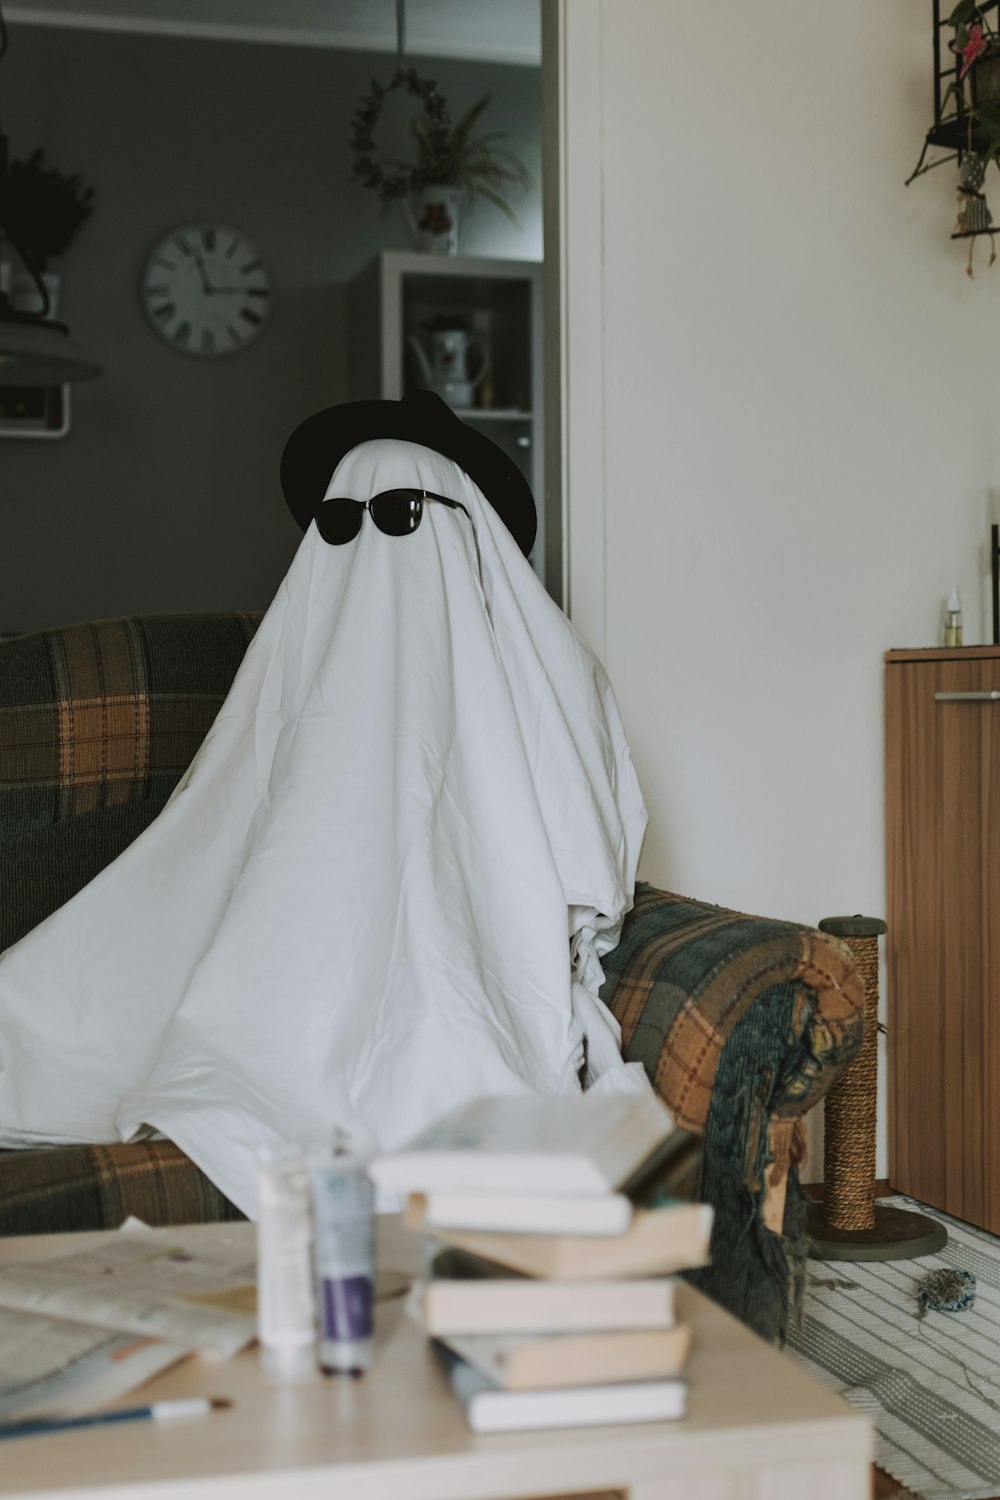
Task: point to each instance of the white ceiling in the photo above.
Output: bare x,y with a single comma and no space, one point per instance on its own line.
494,30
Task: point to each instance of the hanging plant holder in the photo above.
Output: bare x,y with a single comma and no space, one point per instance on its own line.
966,84
966,124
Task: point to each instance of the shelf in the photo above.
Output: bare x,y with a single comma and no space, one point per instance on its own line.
941,653
953,135
401,299
493,414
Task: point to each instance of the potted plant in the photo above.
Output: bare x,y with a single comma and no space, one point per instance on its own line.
45,209
451,165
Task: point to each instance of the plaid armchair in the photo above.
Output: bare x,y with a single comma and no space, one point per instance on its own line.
741,1023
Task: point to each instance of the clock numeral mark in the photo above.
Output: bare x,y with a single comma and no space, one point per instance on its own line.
249,314
158,291
182,333
157,260
256,291
164,311
208,238
207,341
251,265
234,334
232,248
184,246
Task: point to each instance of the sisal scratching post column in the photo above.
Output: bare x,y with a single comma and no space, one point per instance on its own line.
850,1224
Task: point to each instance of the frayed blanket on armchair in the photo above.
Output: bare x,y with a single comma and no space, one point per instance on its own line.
787,1003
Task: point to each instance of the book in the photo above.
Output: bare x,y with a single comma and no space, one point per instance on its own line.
586,1144
466,1294
489,1409
529,1362
668,1166
658,1241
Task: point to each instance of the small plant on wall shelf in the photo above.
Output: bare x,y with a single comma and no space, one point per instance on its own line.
45,207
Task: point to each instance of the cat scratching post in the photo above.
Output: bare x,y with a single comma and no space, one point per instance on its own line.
850,1224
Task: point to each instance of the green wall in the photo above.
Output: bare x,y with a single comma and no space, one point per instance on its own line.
165,495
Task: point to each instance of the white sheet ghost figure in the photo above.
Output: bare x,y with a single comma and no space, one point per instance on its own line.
382,887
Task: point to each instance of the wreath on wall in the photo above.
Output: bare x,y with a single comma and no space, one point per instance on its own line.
446,154
391,179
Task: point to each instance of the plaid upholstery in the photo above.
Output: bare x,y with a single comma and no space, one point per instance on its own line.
741,1023
684,974
98,1187
97,724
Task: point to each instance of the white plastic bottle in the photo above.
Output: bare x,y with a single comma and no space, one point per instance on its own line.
286,1304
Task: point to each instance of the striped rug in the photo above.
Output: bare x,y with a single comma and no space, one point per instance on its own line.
930,1385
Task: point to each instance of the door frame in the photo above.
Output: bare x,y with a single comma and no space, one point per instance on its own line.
573,207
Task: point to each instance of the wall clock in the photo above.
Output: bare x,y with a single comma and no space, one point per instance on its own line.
206,289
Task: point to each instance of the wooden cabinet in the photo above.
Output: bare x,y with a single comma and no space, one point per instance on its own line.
400,295
943,943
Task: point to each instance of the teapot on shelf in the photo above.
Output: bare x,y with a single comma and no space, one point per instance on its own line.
445,369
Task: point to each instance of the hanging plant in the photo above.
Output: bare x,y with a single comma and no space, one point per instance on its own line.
444,154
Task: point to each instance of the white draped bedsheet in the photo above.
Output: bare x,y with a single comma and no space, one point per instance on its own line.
382,887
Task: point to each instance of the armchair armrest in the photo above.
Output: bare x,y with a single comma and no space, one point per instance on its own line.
98,722
742,1025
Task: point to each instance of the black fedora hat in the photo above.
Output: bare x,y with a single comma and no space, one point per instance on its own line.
319,443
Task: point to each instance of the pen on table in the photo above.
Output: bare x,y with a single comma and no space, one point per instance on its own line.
156,1411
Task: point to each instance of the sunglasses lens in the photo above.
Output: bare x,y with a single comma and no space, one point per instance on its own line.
339,521
397,512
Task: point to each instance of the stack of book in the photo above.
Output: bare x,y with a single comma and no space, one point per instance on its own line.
551,1253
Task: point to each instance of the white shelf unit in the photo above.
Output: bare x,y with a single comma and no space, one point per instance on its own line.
399,293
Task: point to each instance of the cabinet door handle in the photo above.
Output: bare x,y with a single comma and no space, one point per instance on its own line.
967,697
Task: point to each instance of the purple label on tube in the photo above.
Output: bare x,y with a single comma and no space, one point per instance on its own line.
347,1307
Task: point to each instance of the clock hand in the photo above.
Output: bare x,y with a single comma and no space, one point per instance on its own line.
206,285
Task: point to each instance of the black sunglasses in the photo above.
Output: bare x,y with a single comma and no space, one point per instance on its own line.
396,512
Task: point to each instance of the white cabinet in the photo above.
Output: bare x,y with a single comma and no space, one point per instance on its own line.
402,296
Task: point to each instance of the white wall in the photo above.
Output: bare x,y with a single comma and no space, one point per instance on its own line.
800,424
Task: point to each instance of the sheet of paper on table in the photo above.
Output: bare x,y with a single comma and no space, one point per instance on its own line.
83,1328
54,1367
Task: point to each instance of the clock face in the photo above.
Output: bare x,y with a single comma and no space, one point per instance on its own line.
206,290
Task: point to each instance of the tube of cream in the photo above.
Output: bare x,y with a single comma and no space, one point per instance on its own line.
344,1254
286,1308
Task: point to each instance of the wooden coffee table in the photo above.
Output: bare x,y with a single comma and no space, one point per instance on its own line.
758,1429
